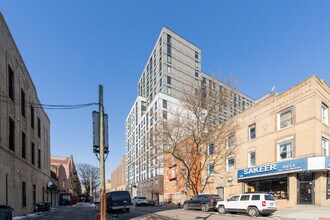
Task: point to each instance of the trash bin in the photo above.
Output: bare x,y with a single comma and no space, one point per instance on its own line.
5,212
47,206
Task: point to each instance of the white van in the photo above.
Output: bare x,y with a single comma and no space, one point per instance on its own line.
251,203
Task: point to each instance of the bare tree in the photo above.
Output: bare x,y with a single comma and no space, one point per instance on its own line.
189,137
85,172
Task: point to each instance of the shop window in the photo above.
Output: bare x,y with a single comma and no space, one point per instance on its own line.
328,186
285,118
277,187
285,150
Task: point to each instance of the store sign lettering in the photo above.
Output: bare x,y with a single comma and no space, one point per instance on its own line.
255,170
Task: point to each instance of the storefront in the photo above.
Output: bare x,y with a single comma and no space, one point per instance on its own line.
299,181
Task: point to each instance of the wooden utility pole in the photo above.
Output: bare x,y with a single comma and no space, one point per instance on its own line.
103,206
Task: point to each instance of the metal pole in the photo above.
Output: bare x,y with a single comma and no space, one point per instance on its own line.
102,171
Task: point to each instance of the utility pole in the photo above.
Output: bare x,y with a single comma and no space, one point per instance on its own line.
102,170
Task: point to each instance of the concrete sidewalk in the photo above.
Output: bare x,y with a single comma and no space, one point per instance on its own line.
303,212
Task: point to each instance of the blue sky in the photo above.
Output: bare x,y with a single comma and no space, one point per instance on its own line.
70,47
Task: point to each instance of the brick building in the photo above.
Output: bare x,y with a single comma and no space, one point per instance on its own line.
281,147
25,177
118,176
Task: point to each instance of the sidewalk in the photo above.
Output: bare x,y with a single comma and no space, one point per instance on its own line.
304,212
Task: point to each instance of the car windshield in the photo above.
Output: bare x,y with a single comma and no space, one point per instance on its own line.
269,197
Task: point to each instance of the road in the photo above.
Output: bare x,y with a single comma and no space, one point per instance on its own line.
85,211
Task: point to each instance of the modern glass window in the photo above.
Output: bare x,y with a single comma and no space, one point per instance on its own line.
169,80
252,132
275,186
11,85
210,169
169,39
169,90
23,103
230,162
196,55
11,136
285,118
325,114
285,150
164,103
210,149
325,146
169,50
169,59
196,73
23,145
251,158
231,141
169,69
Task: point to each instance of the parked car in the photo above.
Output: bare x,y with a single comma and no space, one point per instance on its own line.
205,202
119,200
251,203
151,202
139,201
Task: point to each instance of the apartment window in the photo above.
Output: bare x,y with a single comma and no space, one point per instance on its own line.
166,185
230,162
169,50
210,149
23,103
164,114
325,146
325,114
11,86
196,74
252,131
251,158
164,103
11,134
169,59
204,80
285,150
169,69
160,82
32,153
210,169
169,90
160,66
196,55
23,145
169,39
34,194
39,128
32,117
285,118
39,158
231,141
196,64
169,80
160,51
23,194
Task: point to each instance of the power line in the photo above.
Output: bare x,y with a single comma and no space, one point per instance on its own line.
7,100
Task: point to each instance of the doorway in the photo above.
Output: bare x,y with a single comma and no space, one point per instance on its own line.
305,188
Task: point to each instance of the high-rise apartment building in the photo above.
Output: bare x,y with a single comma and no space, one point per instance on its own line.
173,70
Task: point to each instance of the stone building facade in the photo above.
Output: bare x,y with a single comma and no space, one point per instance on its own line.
281,147
24,133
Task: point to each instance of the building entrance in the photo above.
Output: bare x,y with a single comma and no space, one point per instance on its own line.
305,188
220,192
